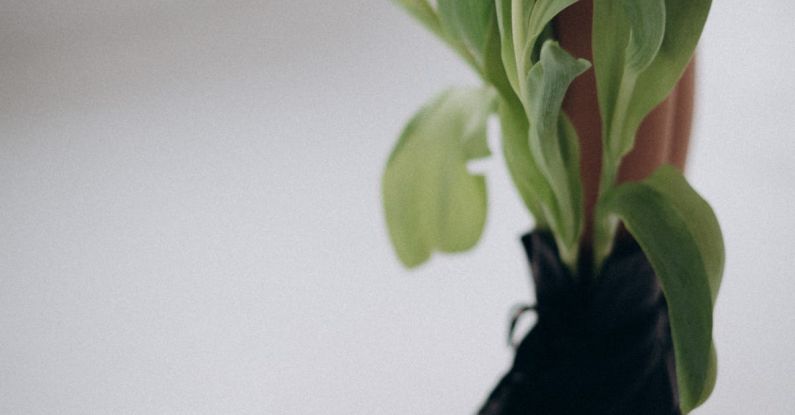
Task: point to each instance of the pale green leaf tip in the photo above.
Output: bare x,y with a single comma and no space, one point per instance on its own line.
551,51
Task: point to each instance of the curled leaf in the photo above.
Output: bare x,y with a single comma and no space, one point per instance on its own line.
553,142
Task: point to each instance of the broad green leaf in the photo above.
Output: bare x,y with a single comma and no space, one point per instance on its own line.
703,222
641,49
679,233
432,202
635,71
553,142
647,28
470,22
684,22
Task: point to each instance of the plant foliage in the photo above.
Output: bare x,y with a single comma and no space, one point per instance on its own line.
641,48
682,239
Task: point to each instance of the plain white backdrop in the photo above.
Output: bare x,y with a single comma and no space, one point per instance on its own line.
190,219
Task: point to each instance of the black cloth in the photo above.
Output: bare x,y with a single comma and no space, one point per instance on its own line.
601,345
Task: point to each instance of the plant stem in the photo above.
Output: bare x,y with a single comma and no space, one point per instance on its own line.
615,148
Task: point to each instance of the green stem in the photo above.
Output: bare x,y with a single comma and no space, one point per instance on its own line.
612,154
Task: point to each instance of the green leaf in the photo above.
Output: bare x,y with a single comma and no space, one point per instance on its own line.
543,13
641,48
470,22
512,18
507,42
431,201
553,142
494,70
522,23
647,28
528,180
680,235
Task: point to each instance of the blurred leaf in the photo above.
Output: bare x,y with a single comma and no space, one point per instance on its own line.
431,200
680,235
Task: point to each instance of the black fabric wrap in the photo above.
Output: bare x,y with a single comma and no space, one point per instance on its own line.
601,345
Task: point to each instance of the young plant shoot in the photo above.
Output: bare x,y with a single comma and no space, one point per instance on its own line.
433,203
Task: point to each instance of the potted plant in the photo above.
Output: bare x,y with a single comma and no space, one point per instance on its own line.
626,325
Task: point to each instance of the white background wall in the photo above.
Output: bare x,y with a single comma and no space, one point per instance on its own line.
190,218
